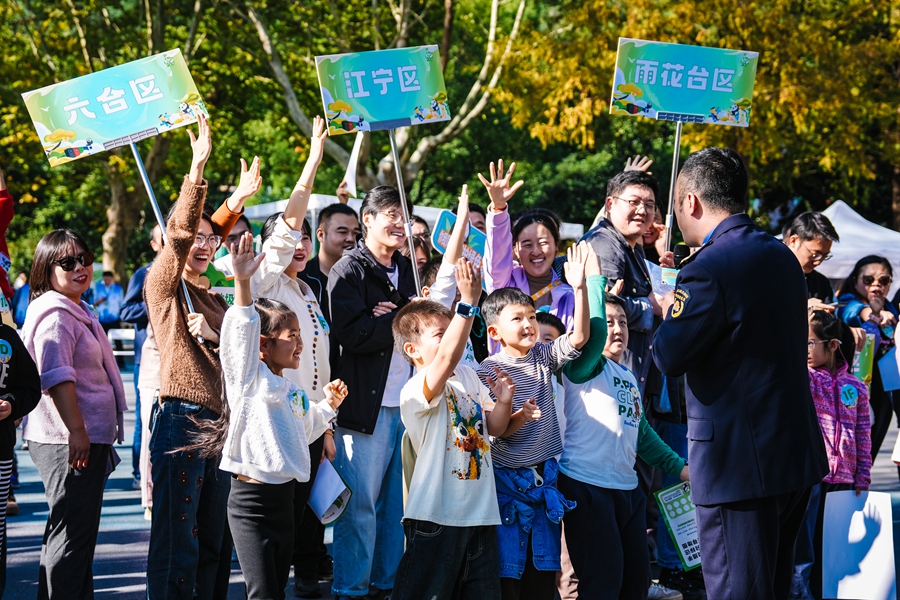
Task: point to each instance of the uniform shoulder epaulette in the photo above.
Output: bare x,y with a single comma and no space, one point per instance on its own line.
694,254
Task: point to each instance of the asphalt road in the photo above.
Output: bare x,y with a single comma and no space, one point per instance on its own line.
121,557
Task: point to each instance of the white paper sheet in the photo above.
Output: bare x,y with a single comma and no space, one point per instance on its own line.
350,175
329,495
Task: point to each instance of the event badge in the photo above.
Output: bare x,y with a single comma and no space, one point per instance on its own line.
680,516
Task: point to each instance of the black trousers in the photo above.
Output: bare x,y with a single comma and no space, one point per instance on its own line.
748,546
618,567
882,408
261,518
309,533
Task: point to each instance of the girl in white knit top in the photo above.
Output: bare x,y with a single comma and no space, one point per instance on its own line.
271,423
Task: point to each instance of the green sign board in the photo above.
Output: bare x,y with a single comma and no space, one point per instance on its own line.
691,84
114,107
384,89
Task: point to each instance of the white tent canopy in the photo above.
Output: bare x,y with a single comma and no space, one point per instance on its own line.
859,238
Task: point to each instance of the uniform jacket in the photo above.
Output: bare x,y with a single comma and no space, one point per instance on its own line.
752,427
367,342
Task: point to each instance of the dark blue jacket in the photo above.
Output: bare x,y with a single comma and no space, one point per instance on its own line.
134,309
752,426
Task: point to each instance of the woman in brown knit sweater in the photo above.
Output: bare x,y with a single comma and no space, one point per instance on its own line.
189,491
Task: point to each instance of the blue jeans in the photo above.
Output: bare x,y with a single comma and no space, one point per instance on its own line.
190,494
368,538
675,436
136,440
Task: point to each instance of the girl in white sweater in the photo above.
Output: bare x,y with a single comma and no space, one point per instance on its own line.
271,424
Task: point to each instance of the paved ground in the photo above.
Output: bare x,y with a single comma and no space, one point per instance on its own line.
121,557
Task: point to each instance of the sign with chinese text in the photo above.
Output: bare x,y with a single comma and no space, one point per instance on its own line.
680,516
691,84
384,89
114,107
473,250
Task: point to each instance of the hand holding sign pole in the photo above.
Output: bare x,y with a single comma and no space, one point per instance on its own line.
117,107
685,84
384,90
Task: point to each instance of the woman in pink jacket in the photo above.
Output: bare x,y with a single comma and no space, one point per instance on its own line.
533,240
842,405
71,432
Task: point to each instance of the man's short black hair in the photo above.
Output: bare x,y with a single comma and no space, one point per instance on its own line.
333,209
618,184
499,299
429,271
718,177
380,199
108,274
812,225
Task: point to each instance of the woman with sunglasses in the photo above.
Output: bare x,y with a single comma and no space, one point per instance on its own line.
865,293
71,432
189,491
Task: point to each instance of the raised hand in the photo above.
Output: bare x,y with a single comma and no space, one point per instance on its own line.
244,260
250,181
501,385
498,188
201,146
462,210
468,280
617,288
530,410
592,262
335,392
575,265
317,140
638,163
343,193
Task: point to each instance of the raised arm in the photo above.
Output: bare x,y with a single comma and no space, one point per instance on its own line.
498,260
453,343
575,274
443,290
295,211
181,230
592,362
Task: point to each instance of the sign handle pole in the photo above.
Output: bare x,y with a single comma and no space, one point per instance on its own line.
160,220
407,221
671,211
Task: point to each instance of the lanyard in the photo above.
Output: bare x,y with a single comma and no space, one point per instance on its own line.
545,290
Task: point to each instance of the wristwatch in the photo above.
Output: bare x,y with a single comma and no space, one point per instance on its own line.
467,311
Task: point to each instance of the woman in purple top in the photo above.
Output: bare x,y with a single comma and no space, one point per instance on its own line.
79,417
533,240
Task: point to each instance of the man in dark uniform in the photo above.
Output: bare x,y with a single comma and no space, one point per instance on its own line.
755,447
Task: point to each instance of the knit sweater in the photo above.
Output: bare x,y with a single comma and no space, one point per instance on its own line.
188,370
842,405
67,343
272,420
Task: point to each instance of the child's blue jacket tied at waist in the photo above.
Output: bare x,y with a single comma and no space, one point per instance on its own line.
529,503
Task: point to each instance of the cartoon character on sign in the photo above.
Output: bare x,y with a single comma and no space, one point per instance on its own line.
466,432
419,114
627,100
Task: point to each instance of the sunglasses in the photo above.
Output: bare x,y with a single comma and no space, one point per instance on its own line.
68,263
869,280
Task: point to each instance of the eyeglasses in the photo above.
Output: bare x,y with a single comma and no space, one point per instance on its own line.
67,263
883,280
636,203
811,344
213,240
393,216
817,256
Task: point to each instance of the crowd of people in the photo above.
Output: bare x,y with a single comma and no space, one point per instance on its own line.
502,428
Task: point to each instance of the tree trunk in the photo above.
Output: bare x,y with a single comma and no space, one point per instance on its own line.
448,33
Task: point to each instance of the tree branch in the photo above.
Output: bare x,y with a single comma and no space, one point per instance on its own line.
189,47
81,37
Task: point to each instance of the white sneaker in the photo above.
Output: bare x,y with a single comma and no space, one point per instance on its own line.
660,592
148,514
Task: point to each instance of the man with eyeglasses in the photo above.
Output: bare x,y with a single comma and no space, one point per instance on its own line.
810,237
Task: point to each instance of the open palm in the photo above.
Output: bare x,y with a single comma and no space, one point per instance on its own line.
498,187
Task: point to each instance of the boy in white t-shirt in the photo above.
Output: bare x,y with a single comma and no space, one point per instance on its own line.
451,511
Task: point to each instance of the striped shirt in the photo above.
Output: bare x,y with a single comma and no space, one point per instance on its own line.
538,440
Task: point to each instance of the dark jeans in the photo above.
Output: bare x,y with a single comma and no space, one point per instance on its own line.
446,562
309,533
261,518
189,498
882,409
606,534
748,546
534,584
70,537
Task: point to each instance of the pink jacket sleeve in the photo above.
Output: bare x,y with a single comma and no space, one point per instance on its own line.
54,349
498,251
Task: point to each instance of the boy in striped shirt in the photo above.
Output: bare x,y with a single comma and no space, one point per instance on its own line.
524,467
